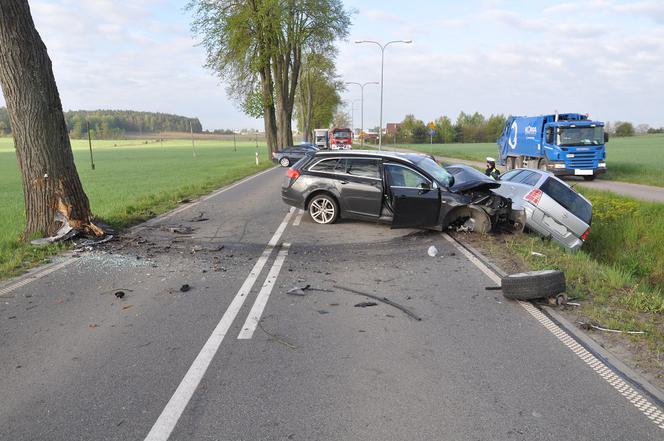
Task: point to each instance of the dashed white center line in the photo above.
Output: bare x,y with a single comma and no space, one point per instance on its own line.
163,427
261,300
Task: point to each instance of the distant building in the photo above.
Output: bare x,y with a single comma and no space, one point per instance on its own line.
392,128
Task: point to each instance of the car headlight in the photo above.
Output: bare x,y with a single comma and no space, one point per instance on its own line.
602,164
559,166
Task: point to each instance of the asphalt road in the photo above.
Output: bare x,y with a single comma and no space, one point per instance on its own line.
79,363
637,191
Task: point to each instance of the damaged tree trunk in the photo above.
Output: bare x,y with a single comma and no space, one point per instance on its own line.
49,177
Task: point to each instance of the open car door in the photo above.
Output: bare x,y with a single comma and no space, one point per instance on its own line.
415,199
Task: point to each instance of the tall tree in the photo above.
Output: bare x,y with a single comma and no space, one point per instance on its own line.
49,177
260,44
318,92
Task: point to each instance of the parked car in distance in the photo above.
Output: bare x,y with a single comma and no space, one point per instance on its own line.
290,155
403,189
553,208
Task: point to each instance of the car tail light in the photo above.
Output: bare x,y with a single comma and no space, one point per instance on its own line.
293,173
585,235
533,196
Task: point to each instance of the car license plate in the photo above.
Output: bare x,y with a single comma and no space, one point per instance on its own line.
583,172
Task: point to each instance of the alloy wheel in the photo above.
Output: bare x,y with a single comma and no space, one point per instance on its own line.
322,210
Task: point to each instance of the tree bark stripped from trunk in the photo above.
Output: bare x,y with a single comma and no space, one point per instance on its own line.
49,177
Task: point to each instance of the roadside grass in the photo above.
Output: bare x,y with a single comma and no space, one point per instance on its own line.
131,183
636,159
619,273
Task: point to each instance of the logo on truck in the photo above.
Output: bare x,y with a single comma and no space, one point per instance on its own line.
530,130
510,141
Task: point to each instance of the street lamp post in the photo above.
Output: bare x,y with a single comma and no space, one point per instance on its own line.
352,114
362,106
382,63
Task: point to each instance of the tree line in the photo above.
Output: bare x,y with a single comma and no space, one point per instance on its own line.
467,128
476,127
114,124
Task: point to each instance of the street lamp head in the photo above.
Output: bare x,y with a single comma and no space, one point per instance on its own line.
359,41
408,41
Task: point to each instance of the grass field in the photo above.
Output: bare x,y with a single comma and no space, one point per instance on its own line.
132,182
637,159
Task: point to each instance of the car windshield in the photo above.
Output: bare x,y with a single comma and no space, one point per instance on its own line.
568,198
342,134
436,171
581,136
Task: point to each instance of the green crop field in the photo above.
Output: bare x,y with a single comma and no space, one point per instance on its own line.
131,182
638,159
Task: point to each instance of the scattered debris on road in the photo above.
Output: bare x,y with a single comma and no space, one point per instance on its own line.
590,325
127,306
185,288
299,291
200,218
535,253
385,300
276,337
119,294
206,249
179,229
365,304
432,251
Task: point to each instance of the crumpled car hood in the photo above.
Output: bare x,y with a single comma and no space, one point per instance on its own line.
467,178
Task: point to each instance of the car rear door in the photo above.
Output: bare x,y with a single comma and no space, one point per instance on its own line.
361,186
415,199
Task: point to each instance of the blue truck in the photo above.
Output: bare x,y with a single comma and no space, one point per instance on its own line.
566,144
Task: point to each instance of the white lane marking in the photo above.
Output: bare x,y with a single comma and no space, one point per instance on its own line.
640,402
298,219
36,276
163,427
263,296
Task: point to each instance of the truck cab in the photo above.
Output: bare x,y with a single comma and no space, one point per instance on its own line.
565,144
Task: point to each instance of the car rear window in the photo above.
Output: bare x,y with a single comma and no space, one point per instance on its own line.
568,198
325,166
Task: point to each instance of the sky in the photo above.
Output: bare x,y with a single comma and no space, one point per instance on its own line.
602,57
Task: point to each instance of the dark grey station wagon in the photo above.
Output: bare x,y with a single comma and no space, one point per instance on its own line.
403,189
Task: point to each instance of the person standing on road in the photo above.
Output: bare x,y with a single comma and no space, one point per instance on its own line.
491,169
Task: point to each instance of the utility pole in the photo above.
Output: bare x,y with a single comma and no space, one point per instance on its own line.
234,142
92,159
193,147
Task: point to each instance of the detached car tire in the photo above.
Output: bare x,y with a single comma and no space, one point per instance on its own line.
533,285
285,162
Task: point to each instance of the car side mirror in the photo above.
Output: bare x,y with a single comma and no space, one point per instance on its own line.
606,137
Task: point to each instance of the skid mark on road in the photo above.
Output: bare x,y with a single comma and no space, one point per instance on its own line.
263,296
163,427
639,401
